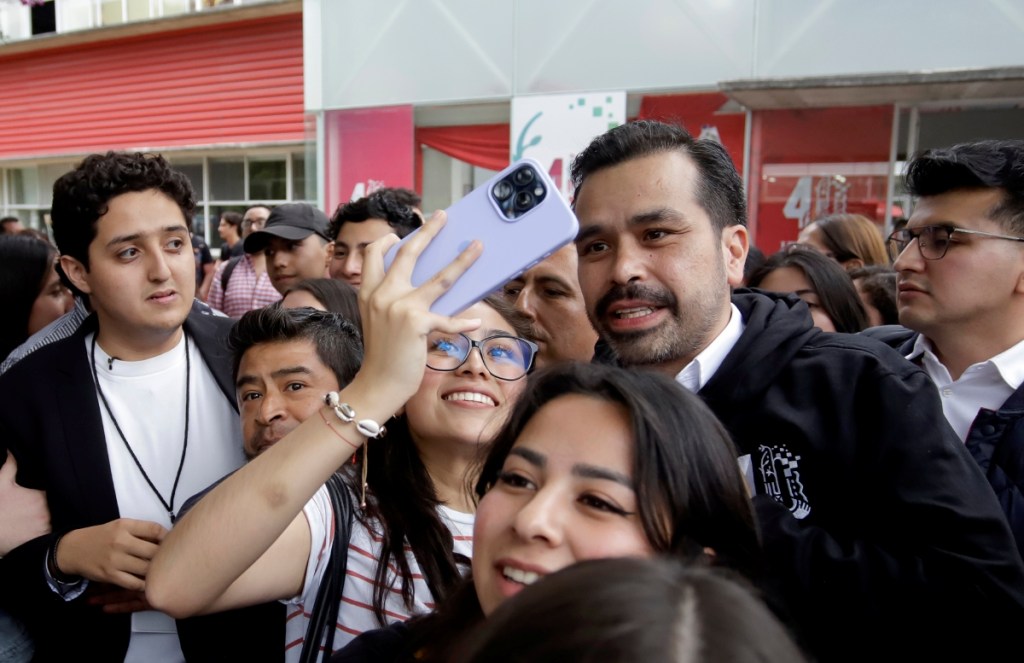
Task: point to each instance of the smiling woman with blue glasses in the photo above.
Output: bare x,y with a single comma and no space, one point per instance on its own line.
410,541
419,508
505,357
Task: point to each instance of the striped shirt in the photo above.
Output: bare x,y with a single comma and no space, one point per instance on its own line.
246,290
364,550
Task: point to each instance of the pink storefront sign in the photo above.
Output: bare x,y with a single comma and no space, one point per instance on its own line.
366,149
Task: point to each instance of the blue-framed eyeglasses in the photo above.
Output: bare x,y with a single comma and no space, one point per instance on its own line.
934,241
505,357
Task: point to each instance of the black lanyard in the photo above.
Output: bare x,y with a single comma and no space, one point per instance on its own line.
184,446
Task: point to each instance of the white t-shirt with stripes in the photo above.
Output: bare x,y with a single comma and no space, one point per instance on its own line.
364,550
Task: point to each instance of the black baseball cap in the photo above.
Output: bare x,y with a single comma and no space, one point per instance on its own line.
293,221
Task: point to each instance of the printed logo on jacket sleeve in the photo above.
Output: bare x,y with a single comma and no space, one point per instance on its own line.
780,475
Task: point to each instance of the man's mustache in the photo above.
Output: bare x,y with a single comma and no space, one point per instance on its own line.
653,296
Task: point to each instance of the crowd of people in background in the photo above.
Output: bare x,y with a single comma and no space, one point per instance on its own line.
656,444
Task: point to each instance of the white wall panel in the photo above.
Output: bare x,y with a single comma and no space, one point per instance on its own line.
380,52
842,37
384,52
578,45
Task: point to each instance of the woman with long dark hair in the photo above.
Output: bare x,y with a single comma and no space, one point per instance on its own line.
411,537
30,289
819,281
594,462
419,474
623,474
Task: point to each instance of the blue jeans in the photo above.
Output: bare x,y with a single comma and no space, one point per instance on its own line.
15,645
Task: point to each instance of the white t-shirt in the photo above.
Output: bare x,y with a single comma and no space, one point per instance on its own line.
147,399
364,550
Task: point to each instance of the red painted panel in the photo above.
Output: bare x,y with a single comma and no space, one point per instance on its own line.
214,85
810,136
699,114
367,148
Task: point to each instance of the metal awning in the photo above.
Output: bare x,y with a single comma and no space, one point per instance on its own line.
875,89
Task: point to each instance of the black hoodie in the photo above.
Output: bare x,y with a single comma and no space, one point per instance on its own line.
882,536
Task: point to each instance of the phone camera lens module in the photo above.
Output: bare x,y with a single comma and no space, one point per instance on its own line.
523,176
503,190
524,201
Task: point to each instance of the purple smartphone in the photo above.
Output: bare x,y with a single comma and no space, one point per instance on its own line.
519,217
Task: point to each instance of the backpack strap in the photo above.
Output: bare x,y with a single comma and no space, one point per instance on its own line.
324,615
225,276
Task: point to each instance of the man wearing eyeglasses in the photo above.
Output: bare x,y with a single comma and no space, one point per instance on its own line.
960,262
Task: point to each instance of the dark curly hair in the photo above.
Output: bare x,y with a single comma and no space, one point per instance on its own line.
81,196
381,204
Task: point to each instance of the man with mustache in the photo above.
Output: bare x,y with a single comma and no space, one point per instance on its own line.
286,361
880,534
548,294
960,264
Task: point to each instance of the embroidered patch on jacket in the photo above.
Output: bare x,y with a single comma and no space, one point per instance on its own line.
781,477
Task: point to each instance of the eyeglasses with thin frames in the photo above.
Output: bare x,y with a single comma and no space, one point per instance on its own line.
934,241
505,357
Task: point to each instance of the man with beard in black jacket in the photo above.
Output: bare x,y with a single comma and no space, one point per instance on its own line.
881,537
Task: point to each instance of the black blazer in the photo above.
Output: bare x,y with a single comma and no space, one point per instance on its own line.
995,439
50,420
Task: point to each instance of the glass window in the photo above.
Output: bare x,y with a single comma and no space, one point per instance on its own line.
23,185
44,18
47,175
268,179
138,10
227,179
111,12
304,176
949,126
194,173
172,7
199,225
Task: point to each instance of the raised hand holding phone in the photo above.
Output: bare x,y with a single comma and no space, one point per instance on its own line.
397,314
519,218
242,518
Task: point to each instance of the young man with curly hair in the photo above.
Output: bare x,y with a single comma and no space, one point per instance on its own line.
120,422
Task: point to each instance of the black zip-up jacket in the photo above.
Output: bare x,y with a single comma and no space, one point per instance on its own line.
882,537
995,439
